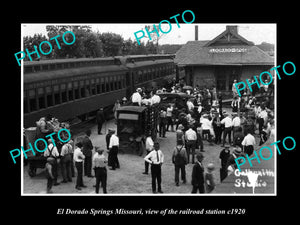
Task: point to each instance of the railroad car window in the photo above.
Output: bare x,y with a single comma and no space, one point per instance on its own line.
70,92
42,104
33,105
93,87
59,66
28,69
102,83
111,84
57,98
76,91
52,67
45,67
25,105
37,68
64,97
116,83
41,98
106,84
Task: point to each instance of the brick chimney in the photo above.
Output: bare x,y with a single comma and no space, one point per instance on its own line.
196,32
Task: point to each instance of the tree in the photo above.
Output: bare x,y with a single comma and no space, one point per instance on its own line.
154,36
111,43
29,42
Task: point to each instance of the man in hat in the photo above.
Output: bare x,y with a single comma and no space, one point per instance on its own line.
191,138
136,97
224,156
99,165
78,157
197,175
236,123
231,164
87,151
248,143
227,121
206,125
216,124
155,99
156,159
113,150
100,118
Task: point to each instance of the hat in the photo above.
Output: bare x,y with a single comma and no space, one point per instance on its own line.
98,149
50,159
180,127
227,146
110,130
210,166
139,89
237,151
199,156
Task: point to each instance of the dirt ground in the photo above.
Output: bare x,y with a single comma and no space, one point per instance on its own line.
129,178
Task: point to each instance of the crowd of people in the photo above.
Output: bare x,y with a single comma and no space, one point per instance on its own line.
201,121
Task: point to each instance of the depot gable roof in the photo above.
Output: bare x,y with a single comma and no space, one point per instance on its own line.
228,48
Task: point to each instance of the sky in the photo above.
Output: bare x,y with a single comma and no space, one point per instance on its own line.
256,33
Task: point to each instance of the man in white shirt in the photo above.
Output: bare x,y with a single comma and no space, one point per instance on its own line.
248,143
190,105
113,151
156,159
227,121
206,125
191,139
149,144
170,118
155,99
136,97
236,123
78,158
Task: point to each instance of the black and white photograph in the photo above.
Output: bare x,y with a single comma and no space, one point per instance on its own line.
148,109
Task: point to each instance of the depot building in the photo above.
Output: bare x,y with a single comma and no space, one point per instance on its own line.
220,61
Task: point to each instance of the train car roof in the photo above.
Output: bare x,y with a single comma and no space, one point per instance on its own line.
131,108
63,73
181,94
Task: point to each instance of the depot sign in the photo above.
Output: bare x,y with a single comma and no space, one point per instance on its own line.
226,50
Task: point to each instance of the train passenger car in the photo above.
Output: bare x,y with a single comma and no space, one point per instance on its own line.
150,71
67,88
